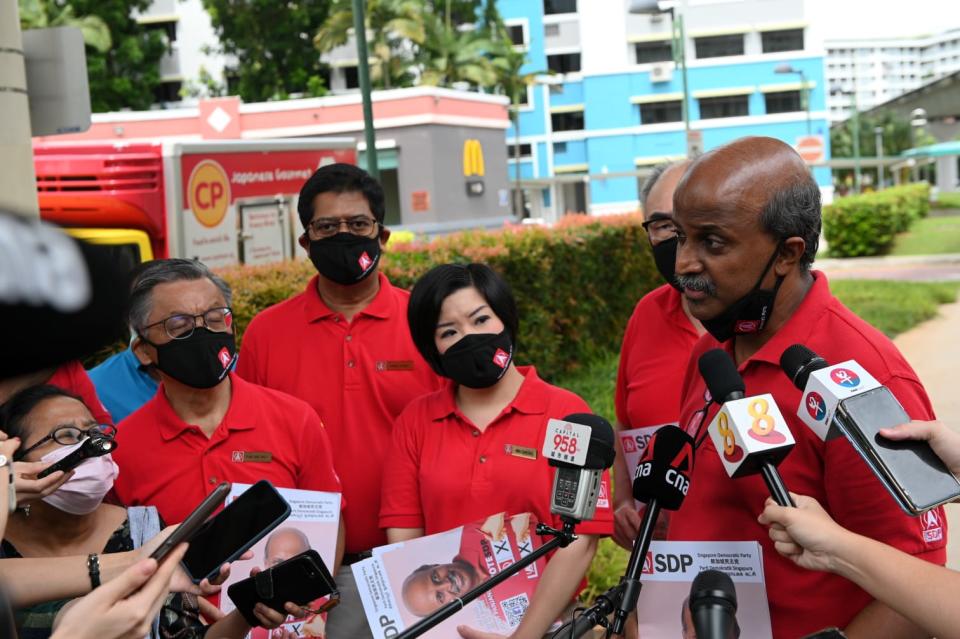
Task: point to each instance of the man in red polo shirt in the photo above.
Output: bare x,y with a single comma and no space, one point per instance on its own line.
748,218
344,347
205,425
656,346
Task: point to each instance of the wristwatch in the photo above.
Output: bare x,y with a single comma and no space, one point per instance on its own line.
11,487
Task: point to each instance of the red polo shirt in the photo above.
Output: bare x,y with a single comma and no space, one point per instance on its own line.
653,360
167,463
443,472
719,508
358,376
72,378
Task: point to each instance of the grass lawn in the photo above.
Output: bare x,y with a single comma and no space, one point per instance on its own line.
929,236
947,201
893,307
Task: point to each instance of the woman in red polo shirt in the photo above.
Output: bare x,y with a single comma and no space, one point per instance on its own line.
471,449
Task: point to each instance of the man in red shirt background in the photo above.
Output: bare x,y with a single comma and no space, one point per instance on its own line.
344,347
748,218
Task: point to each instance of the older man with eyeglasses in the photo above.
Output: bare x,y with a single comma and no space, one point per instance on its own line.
344,347
206,425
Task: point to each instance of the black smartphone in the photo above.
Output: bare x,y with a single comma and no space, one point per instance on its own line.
300,579
93,446
234,530
193,522
911,471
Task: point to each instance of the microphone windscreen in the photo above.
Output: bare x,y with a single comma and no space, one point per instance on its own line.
601,452
713,587
798,362
721,376
663,472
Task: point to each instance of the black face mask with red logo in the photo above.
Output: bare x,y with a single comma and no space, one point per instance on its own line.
199,361
478,360
345,258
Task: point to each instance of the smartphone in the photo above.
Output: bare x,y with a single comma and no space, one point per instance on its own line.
194,520
300,579
911,471
827,633
93,446
234,530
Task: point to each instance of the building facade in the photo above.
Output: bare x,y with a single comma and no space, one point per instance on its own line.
611,107
881,69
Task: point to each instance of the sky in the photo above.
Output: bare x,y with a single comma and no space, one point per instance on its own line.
883,18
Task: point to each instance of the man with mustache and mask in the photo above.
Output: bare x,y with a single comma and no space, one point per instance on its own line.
748,223
206,425
343,346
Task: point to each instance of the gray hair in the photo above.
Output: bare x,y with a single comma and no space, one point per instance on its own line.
794,211
150,274
296,532
654,177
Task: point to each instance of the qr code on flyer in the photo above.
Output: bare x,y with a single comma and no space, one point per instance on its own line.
514,608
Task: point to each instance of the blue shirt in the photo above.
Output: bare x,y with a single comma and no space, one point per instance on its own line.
122,384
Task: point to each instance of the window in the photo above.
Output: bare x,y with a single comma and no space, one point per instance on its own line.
559,147
168,29
559,6
523,99
525,150
786,40
653,52
515,31
719,46
564,62
168,91
571,121
657,112
352,77
783,102
551,30
725,107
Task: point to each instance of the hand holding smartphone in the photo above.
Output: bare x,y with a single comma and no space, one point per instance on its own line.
193,522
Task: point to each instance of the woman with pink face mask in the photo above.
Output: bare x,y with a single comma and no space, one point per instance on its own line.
73,520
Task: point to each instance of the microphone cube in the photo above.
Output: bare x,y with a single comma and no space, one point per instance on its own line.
749,431
825,389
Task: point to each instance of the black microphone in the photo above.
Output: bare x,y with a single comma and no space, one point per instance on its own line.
713,606
749,433
661,482
581,447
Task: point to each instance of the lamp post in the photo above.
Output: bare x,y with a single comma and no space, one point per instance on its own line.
855,124
804,89
363,71
918,119
878,132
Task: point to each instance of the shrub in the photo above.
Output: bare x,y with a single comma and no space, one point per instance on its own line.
575,284
866,224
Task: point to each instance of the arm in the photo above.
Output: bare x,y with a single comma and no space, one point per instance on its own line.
923,593
396,535
626,519
341,544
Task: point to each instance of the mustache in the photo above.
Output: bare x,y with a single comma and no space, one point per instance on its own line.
696,283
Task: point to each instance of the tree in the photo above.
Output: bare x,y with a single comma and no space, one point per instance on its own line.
272,44
897,132
43,14
393,28
449,55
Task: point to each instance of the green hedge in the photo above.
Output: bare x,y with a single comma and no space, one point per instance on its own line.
860,225
575,284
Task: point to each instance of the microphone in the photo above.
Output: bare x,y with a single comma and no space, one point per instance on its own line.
713,606
581,447
662,481
749,433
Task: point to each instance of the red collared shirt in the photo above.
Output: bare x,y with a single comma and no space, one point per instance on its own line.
721,509
443,472
72,378
653,360
358,377
167,463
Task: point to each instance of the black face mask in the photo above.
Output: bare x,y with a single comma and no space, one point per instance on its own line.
478,360
750,313
345,258
199,361
665,257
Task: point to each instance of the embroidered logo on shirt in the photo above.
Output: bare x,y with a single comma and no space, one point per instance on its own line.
603,501
932,526
395,365
250,456
520,451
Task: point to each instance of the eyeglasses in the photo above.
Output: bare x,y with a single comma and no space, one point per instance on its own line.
659,227
67,436
324,227
218,320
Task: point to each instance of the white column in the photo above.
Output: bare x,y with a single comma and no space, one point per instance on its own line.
18,182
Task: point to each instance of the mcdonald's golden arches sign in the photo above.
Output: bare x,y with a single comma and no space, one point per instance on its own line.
472,158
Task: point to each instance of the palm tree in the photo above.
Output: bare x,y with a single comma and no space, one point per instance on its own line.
42,14
391,26
449,55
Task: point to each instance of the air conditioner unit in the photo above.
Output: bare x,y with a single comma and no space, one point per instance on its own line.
661,72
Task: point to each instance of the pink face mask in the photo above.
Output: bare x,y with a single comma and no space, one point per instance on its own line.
91,482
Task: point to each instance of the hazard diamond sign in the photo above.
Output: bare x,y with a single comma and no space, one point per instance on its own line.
812,149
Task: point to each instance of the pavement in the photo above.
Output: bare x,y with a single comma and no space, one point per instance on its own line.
932,348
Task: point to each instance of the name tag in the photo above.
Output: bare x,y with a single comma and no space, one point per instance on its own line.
521,451
251,456
395,365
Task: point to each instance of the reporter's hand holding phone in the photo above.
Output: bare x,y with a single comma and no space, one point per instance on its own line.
182,582
944,441
29,488
806,535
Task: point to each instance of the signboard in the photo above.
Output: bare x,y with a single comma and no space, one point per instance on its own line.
812,149
420,201
694,143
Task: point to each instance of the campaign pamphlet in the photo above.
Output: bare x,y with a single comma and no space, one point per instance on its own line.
633,443
404,582
313,524
670,568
